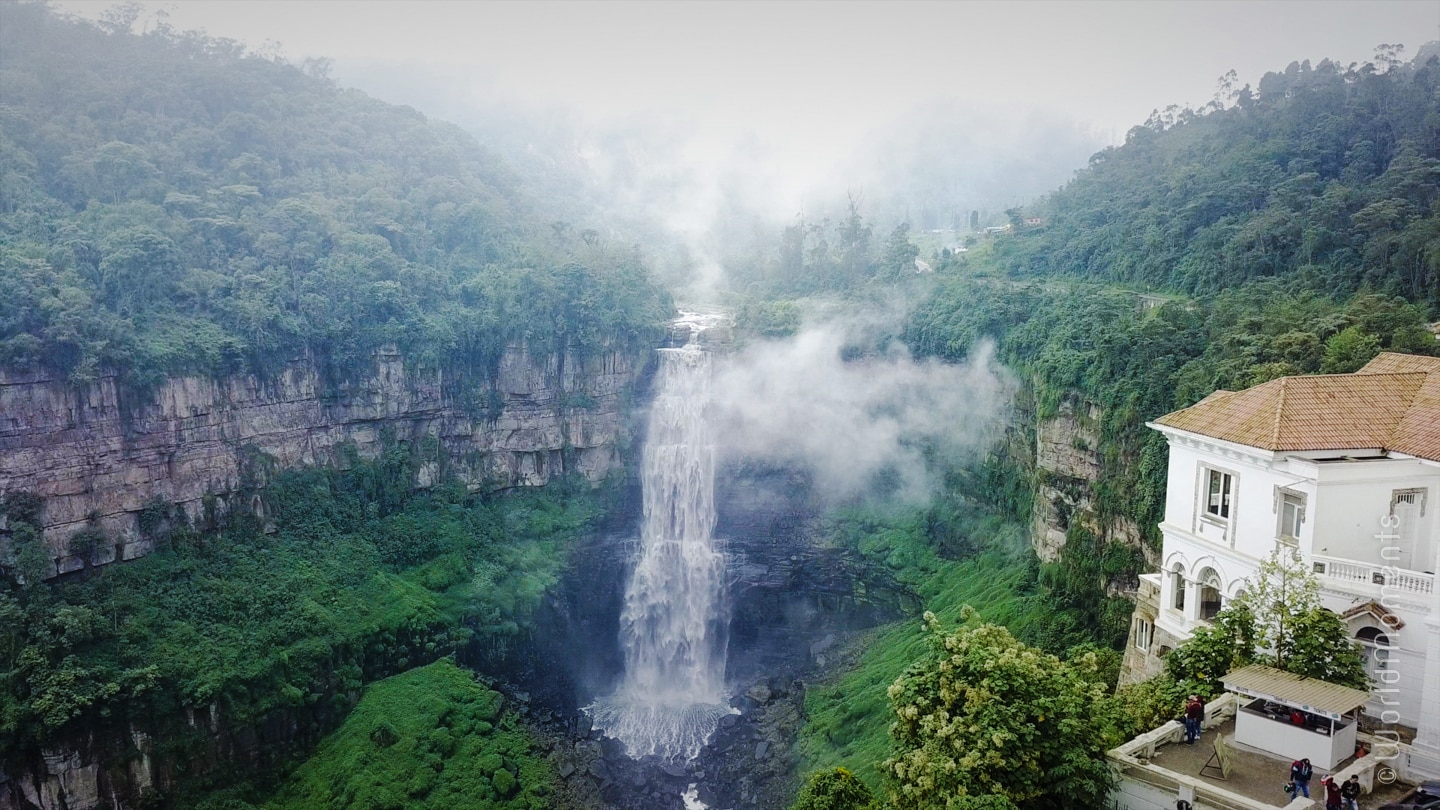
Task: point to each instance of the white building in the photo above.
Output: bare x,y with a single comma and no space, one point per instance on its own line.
1343,469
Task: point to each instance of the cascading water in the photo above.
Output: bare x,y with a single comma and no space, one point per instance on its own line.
675,619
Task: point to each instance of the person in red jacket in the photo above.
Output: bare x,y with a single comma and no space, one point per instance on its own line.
1194,715
1332,793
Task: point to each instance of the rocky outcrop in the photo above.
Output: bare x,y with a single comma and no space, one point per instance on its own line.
97,455
1067,462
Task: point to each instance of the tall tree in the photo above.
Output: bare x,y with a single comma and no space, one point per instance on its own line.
1280,592
982,715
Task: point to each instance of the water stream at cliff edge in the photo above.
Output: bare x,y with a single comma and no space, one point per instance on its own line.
674,622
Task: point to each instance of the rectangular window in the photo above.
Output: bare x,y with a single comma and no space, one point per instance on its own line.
1177,581
1219,492
1144,634
1292,515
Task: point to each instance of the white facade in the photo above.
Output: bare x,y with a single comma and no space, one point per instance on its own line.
1366,522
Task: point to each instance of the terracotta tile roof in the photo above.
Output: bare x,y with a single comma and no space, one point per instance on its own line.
1392,404
1376,611
1395,363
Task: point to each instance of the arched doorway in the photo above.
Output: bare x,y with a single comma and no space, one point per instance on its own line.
1376,644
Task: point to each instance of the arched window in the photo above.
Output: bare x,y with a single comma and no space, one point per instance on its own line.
1209,594
1177,587
1377,650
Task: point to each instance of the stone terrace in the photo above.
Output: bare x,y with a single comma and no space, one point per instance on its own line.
1156,767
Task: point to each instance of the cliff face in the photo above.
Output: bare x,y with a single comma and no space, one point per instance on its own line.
1067,460
95,458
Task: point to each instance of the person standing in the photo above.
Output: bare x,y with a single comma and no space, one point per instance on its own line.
1300,773
1350,793
1332,793
1194,712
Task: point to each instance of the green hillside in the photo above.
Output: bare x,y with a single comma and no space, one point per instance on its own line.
430,738
1325,176
170,203
1215,249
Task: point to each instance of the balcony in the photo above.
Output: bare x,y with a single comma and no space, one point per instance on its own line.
1371,579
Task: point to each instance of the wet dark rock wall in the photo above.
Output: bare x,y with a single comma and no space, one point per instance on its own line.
792,600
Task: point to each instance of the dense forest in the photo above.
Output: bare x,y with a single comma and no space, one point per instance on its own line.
170,203
1326,176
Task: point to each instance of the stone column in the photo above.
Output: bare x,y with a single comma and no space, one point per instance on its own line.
1425,757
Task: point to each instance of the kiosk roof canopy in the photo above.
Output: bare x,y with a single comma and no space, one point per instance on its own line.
1295,690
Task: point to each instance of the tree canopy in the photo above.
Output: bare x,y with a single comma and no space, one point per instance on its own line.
833,789
1327,173
429,738
983,715
170,203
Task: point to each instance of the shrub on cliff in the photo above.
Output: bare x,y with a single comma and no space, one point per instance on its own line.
429,738
834,789
984,715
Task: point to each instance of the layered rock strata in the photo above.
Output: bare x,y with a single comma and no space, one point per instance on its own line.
98,457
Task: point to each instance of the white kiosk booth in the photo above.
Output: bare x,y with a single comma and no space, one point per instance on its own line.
1295,717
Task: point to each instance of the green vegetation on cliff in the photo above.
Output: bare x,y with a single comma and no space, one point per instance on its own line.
430,738
1137,359
169,203
241,628
1295,232
951,555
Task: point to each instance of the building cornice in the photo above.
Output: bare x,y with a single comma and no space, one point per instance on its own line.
1219,447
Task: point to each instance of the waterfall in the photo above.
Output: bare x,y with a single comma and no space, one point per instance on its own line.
674,622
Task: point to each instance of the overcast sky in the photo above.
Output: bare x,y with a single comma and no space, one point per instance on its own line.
810,79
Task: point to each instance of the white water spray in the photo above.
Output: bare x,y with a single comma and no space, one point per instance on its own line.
675,619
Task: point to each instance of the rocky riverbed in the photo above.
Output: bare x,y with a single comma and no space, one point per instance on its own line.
749,762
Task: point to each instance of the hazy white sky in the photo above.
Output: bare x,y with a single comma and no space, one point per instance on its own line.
810,79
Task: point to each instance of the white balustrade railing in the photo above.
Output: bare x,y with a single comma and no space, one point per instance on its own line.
1366,577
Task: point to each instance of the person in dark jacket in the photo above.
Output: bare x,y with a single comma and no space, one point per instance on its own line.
1300,773
1350,793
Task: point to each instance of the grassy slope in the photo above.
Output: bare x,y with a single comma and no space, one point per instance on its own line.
849,715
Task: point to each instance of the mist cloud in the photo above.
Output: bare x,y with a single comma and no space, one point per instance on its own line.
800,401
